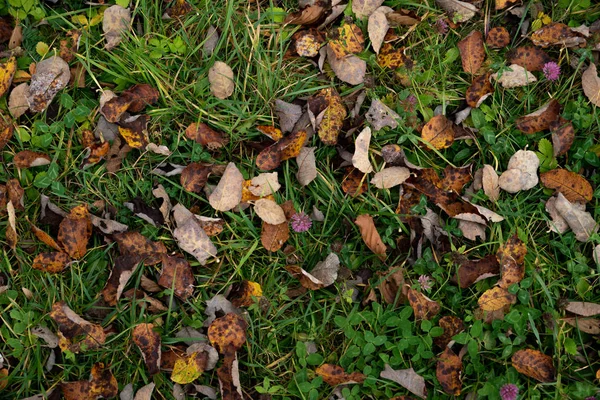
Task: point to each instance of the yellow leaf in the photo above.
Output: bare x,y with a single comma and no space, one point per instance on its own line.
496,299
7,72
187,370
79,19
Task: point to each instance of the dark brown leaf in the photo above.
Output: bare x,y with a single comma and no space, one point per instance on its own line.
148,341
194,176
448,372
471,271
75,231
498,38
206,136
529,57
133,243
176,273
452,326
539,120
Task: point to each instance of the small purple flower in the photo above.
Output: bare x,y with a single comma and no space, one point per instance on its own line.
301,222
591,398
425,282
551,71
441,26
412,99
509,392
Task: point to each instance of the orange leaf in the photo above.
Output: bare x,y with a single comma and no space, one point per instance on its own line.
472,52
572,185
53,263
498,38
72,326
448,372
335,375
423,306
556,33
28,159
75,231
479,90
511,257
227,333
354,183
496,299
347,39
206,136
370,235
439,132
534,364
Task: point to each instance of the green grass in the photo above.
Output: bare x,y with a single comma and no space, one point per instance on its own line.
557,266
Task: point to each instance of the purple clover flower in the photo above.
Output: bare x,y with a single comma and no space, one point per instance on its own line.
301,222
551,71
509,392
425,282
441,26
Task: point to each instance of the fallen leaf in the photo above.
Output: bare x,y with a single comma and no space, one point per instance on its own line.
403,17
192,239
581,222
393,289
472,52
378,26
347,39
264,184
177,274
438,132
220,77
194,176
52,263
390,177
583,308
573,186
364,8
206,136
529,57
587,325
229,378
556,33
125,266
563,136
380,116
407,378
323,274
534,364
307,16
145,392
243,294
393,58
288,114
75,231
17,102
29,159
539,120
460,11
360,159
148,341
495,299
423,306
489,180
590,82
134,99
514,76
370,235
448,372
498,37
333,117
308,43
269,211
274,236
502,4
102,384
7,72
11,229
349,69
354,183
480,89
189,368
134,130
471,271
72,326
228,333
558,223
179,9
228,192
135,244
307,168
114,24
511,256
452,326
335,375
210,41
521,173
45,333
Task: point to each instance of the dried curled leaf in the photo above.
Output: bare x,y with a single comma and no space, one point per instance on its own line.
335,375
472,52
448,372
534,364
370,235
471,271
573,186
148,341
323,274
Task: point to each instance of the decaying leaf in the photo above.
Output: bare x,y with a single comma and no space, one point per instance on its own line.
423,306
480,89
288,114
135,244
228,192
179,9
243,294
452,326
349,69
514,76
264,184
390,177
529,57
119,276
7,72
192,238
511,256
335,375
563,136
448,372
53,263
370,235
461,11
229,378
206,136
72,327
496,299
378,26
114,24
134,130
490,183
308,43
75,231
498,37
472,52
587,325
189,368
583,308
534,364
439,132
17,102
102,384
307,168
176,273
221,79
590,82
502,4
406,378
11,229
269,211
581,222
323,274
364,8
347,39
556,33
471,271
521,173
360,159
380,116
228,333
29,159
330,103
573,186
390,57
274,236
6,128
134,99
539,120
148,341
393,289
194,176
285,148
307,16
403,17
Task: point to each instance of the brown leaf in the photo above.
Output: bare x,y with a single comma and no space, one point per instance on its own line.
117,153
439,132
134,130
498,37
455,179
97,149
75,231
307,43
407,378
243,294
378,26
307,168
471,271
539,120
15,193
6,128
480,89
390,57
393,286
496,299
323,274
179,9
229,378
489,181
17,106
587,325
511,256
514,76
502,4
228,192
53,263
7,72
221,79
102,383
423,307
114,24
335,375
133,243
452,326
176,273
563,136
556,33
580,221
124,267
72,327
364,8
390,177
169,358
448,372
590,82
403,17
194,176
370,235
583,308
274,236
354,182
206,136
573,186
51,75
472,52
461,11
534,364
350,69
148,341
529,57
269,211
28,159
333,117
307,16
228,333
